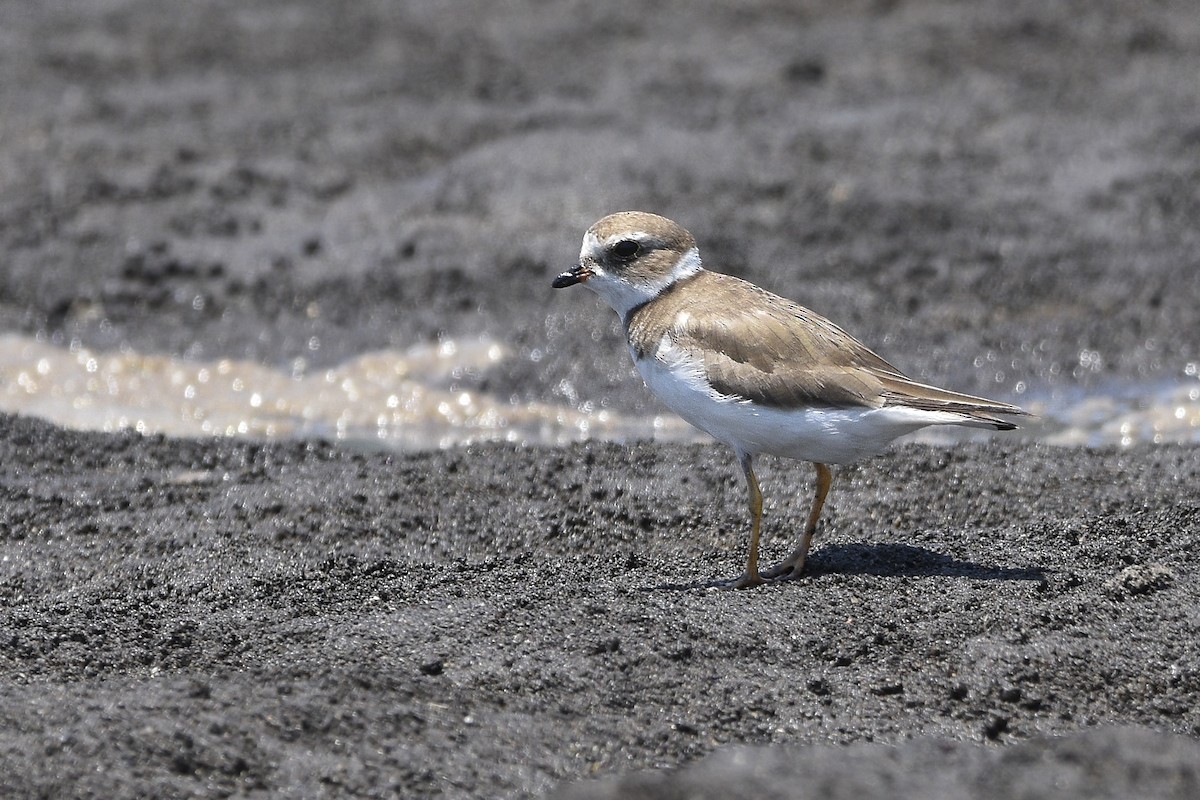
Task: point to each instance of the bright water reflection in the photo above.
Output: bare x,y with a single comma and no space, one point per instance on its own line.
407,400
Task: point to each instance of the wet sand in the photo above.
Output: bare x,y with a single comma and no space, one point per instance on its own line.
998,198
215,617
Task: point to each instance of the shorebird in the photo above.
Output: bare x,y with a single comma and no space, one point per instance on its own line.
754,370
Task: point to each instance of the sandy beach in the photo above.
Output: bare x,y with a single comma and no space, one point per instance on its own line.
214,213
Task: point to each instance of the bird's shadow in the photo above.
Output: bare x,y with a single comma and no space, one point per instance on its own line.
891,560
886,561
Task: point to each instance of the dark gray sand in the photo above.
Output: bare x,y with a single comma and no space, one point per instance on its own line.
1103,764
184,617
996,196
1016,183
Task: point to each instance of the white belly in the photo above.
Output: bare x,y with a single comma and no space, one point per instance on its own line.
821,434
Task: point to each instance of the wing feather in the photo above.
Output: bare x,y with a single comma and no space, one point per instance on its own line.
756,346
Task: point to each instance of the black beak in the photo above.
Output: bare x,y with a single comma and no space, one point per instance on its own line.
577,274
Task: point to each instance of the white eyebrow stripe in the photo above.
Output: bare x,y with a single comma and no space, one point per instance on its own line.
641,237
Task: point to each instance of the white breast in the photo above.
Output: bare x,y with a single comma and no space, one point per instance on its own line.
822,434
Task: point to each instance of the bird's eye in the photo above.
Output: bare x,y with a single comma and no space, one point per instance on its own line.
626,249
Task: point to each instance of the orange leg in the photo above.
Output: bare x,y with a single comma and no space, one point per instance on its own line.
793,565
751,577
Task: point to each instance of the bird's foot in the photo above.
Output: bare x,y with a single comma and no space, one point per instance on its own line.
783,571
747,580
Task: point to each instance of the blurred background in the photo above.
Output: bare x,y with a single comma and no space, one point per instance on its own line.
341,219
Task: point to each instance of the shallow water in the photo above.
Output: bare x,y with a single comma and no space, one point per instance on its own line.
408,400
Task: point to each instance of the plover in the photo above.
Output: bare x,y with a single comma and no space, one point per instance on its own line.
754,370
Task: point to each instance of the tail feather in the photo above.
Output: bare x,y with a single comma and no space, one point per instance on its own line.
986,421
978,412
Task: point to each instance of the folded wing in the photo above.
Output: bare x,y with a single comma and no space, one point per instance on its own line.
780,354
